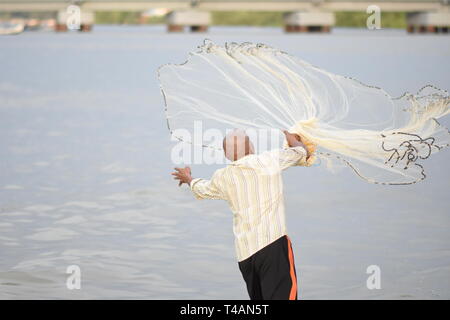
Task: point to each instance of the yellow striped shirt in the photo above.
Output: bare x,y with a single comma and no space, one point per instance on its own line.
253,188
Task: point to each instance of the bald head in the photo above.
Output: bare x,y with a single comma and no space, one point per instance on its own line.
237,144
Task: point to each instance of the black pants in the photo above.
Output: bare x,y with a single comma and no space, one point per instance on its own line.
270,272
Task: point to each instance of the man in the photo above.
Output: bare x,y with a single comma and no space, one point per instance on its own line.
253,188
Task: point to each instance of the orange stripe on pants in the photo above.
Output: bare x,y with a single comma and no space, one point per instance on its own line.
293,293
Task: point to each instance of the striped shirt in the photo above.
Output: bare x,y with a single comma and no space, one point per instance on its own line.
253,188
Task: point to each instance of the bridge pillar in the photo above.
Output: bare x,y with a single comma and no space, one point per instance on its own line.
86,21
314,21
428,22
197,21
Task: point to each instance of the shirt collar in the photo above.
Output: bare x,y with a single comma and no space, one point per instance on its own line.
241,160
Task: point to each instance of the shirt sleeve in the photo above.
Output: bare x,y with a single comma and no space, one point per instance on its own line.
207,189
289,157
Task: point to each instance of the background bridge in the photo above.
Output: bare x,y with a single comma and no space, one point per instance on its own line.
300,15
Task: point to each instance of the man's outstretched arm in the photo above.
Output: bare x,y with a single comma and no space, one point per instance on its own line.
202,188
296,154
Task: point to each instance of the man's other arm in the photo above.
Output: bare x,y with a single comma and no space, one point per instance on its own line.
208,189
295,155
202,188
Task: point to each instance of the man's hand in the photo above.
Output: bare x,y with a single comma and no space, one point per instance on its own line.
183,174
295,140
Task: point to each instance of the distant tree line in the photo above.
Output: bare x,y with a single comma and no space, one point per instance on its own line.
232,18
253,18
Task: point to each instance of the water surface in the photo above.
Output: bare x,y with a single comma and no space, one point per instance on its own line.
85,163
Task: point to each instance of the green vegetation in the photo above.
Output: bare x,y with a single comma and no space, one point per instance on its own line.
247,18
26,15
255,18
343,19
116,17
123,17
358,19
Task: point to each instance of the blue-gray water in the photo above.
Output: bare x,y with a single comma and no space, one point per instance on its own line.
85,164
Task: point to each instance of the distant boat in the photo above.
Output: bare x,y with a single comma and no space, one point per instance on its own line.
11,28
